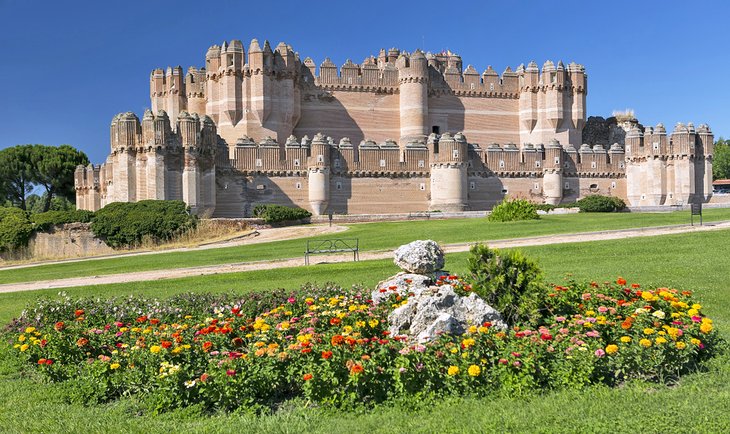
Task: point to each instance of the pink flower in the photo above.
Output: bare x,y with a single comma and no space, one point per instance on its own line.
592,334
517,363
291,300
600,353
602,309
695,318
560,318
586,296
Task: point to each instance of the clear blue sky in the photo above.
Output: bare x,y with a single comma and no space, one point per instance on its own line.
67,68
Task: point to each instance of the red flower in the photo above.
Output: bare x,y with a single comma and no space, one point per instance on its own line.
326,355
356,369
335,321
546,337
207,345
237,341
307,377
503,361
350,341
165,344
154,321
143,318
306,350
58,326
49,362
487,324
230,372
41,361
204,377
79,312
621,281
337,340
635,285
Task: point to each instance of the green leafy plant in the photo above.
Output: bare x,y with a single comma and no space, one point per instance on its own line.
15,228
598,203
127,224
513,210
45,220
279,213
507,280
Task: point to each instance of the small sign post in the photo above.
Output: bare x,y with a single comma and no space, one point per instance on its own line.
696,209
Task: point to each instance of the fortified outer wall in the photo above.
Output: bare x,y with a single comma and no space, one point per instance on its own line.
387,146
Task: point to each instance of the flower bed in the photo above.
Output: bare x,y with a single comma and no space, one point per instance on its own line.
331,345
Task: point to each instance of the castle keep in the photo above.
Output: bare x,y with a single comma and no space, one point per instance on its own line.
400,132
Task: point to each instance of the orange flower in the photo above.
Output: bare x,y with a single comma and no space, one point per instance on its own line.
626,324
621,281
307,377
337,340
207,345
143,318
81,342
356,369
326,354
335,321
58,326
165,344
154,321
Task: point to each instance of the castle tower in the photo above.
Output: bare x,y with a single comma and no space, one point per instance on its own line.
529,88
175,101
656,151
187,128
195,88
706,142
413,87
231,61
125,135
260,81
158,90
579,89
683,151
634,171
552,177
319,174
155,133
448,174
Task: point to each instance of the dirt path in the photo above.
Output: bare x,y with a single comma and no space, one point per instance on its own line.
295,262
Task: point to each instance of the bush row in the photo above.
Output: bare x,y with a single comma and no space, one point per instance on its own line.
279,213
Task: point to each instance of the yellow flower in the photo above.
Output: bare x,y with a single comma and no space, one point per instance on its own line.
467,343
692,312
284,325
590,313
681,345
346,330
706,328
453,370
30,330
473,329
474,370
21,338
695,341
155,349
114,366
360,324
23,347
649,331
706,320
611,349
646,295
454,350
373,323
697,306
625,339
660,340
646,343
483,329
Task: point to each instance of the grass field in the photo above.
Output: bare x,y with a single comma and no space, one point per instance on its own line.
373,236
699,403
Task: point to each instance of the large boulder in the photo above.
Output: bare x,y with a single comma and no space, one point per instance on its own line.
436,310
420,257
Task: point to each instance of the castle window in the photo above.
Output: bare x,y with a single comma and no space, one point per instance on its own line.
491,86
567,186
421,163
472,186
337,162
455,153
338,185
473,86
320,158
296,162
382,163
422,186
504,191
613,184
261,187
593,187
593,164
501,164
298,185
259,163
537,164
536,186
656,146
557,160
621,165
435,129
643,196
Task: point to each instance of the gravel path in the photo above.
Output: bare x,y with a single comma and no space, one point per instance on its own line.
306,231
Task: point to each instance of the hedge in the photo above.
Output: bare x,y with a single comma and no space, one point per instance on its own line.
15,228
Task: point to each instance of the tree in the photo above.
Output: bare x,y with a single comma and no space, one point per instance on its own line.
16,174
25,166
54,170
721,160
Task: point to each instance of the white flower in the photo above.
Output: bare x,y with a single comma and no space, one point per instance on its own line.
659,314
190,383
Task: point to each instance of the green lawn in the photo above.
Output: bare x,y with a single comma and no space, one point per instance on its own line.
699,403
373,236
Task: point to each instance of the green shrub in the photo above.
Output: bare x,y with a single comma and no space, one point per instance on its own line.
513,210
127,224
598,203
545,207
15,228
45,220
507,280
279,213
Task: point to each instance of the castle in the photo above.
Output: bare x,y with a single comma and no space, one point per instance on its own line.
401,132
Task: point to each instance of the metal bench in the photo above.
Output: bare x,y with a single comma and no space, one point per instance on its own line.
333,246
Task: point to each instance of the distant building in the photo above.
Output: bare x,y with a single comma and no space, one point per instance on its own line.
400,132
